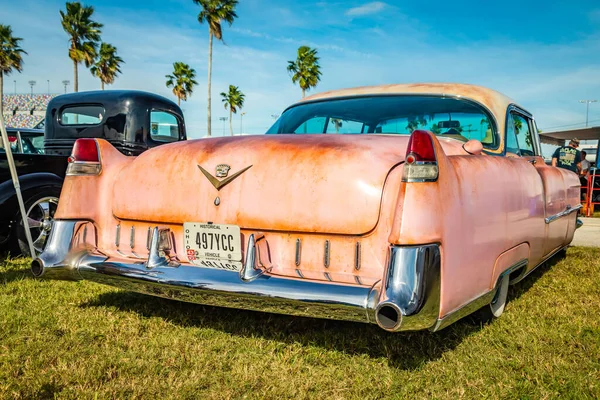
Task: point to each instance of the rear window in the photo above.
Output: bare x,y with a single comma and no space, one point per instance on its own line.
82,115
450,117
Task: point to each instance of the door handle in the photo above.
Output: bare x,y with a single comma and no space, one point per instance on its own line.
533,161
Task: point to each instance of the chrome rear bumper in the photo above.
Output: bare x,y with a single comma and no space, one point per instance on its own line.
406,298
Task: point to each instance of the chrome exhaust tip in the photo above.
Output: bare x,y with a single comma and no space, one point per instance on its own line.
37,267
388,316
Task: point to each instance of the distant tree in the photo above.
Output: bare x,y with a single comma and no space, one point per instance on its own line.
306,70
10,57
84,35
233,101
213,13
108,64
182,81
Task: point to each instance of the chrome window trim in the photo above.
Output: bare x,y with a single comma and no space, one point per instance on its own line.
531,125
483,107
568,210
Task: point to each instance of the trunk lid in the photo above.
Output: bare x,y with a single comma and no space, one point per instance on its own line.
298,183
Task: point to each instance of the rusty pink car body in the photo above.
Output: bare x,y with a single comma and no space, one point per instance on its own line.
332,226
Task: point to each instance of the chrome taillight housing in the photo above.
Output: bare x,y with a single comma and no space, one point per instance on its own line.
420,163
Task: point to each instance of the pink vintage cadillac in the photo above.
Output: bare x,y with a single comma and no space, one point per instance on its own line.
406,206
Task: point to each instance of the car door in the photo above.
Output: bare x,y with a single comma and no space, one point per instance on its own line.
521,125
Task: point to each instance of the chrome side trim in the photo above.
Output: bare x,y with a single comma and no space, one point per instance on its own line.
298,252
118,236
132,237
476,303
568,210
326,255
357,256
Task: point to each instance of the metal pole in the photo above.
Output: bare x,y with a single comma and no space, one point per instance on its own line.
15,86
587,113
48,86
15,179
587,109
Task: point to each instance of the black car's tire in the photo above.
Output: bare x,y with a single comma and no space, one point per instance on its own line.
496,307
40,206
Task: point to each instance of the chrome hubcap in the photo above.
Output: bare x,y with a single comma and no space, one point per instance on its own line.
40,217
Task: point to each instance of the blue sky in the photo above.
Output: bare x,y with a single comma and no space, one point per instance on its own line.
546,55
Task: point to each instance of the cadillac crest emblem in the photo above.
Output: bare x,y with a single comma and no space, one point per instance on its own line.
222,170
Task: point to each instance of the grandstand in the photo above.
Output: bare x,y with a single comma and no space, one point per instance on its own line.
25,110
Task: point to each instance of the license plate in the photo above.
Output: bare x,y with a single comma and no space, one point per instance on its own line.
213,245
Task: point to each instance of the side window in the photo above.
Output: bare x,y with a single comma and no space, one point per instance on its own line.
338,125
164,126
523,132
512,146
313,125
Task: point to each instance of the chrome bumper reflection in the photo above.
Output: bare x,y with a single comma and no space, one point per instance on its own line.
407,297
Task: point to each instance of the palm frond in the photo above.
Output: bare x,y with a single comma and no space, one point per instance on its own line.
10,51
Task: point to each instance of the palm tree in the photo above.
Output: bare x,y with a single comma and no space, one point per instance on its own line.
182,81
84,35
213,13
337,124
306,70
108,64
10,57
233,101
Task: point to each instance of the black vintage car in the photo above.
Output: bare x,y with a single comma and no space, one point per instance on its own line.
132,121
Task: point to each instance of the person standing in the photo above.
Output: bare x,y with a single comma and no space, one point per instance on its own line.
568,157
583,177
585,164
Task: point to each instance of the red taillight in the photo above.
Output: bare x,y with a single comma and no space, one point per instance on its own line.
85,158
85,150
421,163
420,147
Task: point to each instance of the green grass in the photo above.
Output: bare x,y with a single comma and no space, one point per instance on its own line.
83,340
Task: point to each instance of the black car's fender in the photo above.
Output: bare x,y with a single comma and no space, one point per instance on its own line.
8,197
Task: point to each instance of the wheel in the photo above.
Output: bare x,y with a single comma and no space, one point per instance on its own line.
40,206
496,307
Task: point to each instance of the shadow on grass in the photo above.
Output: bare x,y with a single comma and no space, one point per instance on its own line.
406,350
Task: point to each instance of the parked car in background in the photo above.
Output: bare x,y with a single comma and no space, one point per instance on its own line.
40,178
408,206
131,121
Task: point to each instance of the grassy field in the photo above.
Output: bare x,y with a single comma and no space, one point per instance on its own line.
83,340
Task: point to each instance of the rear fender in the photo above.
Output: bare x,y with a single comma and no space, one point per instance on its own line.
85,197
8,196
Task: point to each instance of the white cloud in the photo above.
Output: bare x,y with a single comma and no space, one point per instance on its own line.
369,8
